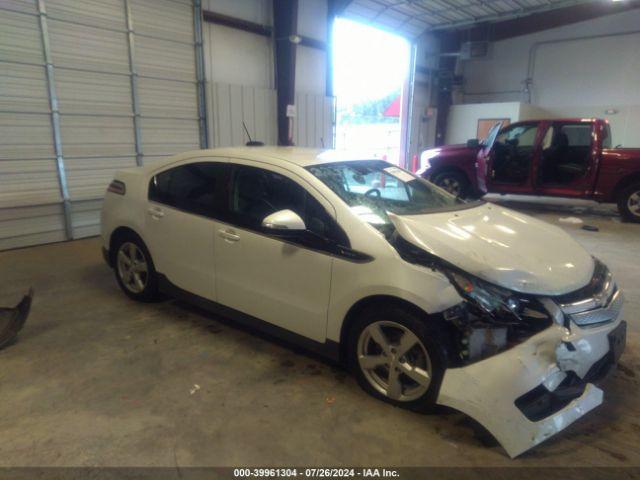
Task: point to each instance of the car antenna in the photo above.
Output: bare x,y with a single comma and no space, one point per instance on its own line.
251,143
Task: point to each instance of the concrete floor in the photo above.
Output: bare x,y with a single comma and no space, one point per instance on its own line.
96,379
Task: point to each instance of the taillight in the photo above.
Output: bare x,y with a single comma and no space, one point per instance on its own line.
118,187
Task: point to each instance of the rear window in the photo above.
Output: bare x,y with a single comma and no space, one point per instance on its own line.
191,187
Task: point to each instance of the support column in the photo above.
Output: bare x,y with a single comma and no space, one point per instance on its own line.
406,113
133,75
55,120
200,74
285,26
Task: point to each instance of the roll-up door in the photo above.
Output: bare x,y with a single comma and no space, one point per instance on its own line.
73,75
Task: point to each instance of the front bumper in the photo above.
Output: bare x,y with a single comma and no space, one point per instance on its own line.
536,389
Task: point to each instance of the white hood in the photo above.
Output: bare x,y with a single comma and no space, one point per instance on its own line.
503,247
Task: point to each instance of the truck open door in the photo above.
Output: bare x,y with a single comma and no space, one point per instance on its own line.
483,161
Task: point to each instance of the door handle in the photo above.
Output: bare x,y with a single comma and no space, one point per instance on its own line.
155,212
229,235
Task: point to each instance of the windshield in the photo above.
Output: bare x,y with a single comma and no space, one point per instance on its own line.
371,188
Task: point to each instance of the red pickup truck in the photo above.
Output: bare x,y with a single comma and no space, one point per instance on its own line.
561,157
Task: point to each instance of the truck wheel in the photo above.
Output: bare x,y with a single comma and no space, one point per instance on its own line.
629,203
456,183
397,357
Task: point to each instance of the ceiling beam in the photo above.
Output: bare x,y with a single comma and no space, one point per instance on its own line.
544,21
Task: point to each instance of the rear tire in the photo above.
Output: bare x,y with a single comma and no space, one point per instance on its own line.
629,203
456,183
134,269
408,370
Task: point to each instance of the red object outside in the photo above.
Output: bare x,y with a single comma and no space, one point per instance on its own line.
609,170
414,163
393,110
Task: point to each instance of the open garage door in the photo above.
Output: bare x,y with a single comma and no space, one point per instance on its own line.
87,88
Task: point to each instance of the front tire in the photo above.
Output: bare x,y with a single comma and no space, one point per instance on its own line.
629,203
456,183
134,269
398,356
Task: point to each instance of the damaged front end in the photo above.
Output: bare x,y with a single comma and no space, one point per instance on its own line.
524,365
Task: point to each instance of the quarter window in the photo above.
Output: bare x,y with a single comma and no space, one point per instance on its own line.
192,187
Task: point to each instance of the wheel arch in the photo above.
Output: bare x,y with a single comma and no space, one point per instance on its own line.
365,303
623,183
116,235
472,185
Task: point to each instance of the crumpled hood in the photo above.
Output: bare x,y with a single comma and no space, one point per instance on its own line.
503,247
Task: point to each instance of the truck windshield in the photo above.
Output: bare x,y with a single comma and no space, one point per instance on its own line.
371,188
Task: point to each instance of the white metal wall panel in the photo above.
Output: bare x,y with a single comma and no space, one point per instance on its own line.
20,39
106,14
24,226
314,121
230,105
165,59
164,19
167,98
28,175
167,90
93,93
90,55
85,221
23,87
166,136
89,48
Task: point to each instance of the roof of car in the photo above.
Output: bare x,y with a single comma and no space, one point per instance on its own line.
299,156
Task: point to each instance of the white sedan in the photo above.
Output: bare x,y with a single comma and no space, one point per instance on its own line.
427,299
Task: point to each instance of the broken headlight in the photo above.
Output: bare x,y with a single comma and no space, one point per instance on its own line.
492,319
489,298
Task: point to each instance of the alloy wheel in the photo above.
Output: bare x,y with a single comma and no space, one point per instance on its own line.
132,267
394,361
633,203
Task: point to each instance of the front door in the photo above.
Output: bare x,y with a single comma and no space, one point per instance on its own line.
567,165
508,161
284,282
180,221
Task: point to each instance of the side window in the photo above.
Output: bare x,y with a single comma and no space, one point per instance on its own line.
257,193
191,187
576,134
518,135
606,136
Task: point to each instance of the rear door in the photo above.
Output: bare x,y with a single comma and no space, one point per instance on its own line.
181,217
568,160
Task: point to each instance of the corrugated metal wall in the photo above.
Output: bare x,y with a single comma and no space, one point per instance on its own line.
230,105
313,125
108,59
88,87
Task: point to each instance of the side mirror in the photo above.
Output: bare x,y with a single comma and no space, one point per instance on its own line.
473,143
283,222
